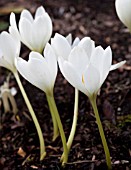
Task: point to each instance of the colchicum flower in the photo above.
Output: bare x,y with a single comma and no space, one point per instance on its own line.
9,51
123,9
34,33
87,66
38,70
41,72
63,46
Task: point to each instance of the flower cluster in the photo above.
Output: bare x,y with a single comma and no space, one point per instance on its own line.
84,65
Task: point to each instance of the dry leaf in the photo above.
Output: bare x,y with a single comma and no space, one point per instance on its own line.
21,152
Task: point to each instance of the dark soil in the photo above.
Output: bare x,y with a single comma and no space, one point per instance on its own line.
98,20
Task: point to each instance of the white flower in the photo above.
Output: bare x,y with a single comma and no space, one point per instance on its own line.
9,50
62,46
87,66
38,70
34,33
123,9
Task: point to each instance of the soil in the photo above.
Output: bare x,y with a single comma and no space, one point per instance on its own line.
19,144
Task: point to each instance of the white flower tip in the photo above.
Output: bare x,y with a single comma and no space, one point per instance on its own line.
108,50
12,18
57,35
85,39
40,11
41,8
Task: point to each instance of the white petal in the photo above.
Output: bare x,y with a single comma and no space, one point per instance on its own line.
36,72
71,75
91,80
13,26
52,61
97,58
36,55
4,63
78,58
88,45
14,33
123,9
25,28
115,66
75,42
26,14
13,20
41,32
107,60
61,46
101,59
39,12
9,47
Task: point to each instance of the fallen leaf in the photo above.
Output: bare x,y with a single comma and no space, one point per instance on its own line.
21,152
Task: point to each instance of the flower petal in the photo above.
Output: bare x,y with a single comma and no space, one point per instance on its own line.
25,28
78,58
91,80
13,20
39,12
9,46
5,64
61,46
88,45
75,42
41,32
115,66
123,9
71,75
97,58
26,14
106,64
50,57
36,71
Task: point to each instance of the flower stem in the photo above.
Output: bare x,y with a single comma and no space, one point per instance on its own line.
39,131
53,109
101,131
75,118
55,125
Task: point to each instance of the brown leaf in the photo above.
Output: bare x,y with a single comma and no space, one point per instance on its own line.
21,152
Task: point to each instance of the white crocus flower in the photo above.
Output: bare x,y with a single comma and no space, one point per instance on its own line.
38,70
34,33
9,50
87,67
123,9
62,46
41,72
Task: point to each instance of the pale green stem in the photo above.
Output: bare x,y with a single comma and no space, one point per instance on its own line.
74,124
101,131
53,109
55,125
39,131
